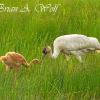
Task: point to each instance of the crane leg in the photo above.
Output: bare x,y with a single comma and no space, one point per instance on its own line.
7,68
67,57
77,55
15,74
79,58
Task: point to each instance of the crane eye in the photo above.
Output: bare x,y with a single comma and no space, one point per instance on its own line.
44,51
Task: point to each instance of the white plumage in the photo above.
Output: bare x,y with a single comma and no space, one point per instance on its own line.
94,43
74,44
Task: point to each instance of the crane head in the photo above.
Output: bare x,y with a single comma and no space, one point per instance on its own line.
35,61
45,51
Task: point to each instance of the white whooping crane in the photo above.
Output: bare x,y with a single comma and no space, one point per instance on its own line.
74,44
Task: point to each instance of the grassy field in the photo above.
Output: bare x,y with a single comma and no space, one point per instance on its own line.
27,33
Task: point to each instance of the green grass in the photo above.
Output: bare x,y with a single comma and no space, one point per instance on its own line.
28,33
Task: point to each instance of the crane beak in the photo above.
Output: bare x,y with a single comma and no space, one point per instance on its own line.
42,58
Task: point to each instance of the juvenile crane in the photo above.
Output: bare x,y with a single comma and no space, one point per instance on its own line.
13,60
74,44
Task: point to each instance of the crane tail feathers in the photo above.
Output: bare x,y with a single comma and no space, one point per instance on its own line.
1,59
98,51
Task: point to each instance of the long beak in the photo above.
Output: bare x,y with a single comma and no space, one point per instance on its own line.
42,58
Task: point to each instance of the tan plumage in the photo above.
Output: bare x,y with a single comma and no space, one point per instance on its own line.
34,61
13,60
